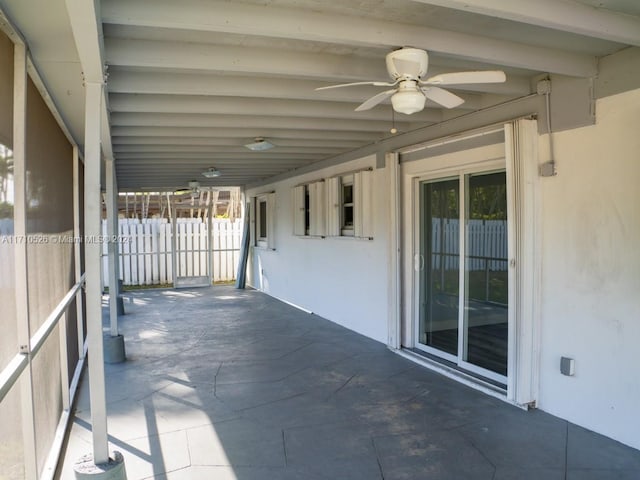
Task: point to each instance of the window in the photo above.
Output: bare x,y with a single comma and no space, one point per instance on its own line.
346,205
263,225
262,219
350,201
309,210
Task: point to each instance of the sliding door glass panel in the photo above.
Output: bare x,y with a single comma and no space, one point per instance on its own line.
486,272
439,265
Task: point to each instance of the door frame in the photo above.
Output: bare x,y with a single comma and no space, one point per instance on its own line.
520,148
458,173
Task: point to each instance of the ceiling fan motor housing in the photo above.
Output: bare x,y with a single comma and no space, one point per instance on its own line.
407,63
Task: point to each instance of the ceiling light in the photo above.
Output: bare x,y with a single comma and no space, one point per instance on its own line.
259,145
408,101
211,173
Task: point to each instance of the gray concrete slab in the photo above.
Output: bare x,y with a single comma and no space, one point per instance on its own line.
228,384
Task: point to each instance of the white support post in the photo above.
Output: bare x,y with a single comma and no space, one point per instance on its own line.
174,246
112,245
210,205
93,248
77,252
20,252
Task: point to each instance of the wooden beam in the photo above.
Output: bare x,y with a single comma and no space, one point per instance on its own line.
196,104
123,80
563,15
242,126
297,24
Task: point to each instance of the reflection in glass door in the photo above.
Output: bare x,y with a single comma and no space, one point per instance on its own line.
463,286
440,265
486,272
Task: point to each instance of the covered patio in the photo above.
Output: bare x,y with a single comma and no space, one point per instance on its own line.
234,384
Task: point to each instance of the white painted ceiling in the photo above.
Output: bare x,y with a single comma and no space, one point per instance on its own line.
190,82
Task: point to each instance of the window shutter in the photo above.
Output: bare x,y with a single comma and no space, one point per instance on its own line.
317,201
521,145
363,208
333,206
271,220
298,210
253,239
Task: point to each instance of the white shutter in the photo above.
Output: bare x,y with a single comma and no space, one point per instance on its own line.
298,210
333,206
317,206
363,208
521,142
271,221
253,214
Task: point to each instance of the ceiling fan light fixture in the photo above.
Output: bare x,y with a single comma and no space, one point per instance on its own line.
211,172
408,101
259,145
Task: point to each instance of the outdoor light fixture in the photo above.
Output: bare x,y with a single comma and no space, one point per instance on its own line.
259,145
408,101
211,172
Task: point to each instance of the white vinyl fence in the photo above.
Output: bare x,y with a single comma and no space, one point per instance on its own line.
146,251
486,243
486,251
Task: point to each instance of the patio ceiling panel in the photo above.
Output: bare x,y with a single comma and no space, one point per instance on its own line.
193,81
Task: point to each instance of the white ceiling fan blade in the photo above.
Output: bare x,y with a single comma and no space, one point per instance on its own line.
375,84
460,78
442,97
375,100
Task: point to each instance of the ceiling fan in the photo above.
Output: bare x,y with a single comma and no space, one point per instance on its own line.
407,67
193,189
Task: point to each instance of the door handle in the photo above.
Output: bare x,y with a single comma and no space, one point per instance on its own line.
418,262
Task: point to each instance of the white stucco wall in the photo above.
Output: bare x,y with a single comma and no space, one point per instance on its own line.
341,279
590,279
591,272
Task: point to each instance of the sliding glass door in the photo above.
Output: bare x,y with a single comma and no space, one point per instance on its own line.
463,272
440,266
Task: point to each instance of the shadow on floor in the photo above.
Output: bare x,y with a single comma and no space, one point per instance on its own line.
230,384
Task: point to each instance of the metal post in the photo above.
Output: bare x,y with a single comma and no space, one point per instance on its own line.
174,246
93,249
64,362
20,252
112,245
114,351
486,279
210,206
77,252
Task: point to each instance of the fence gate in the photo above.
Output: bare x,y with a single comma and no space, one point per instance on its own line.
192,255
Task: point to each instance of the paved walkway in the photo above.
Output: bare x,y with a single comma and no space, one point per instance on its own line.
234,385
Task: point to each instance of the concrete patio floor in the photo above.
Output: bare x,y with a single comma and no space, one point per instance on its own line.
234,385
